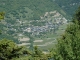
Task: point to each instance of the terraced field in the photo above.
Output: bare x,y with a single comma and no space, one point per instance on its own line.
45,41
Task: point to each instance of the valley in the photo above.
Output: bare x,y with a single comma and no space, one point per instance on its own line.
44,31
39,30
41,22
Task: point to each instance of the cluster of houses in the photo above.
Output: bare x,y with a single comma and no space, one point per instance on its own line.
35,30
50,23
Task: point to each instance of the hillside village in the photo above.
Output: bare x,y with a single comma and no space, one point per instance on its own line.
39,30
52,20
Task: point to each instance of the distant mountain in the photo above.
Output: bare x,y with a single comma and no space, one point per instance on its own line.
39,7
35,8
69,6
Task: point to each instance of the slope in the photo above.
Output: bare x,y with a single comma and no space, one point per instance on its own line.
69,6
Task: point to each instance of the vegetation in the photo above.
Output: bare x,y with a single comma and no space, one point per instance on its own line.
8,49
2,15
68,45
68,6
30,9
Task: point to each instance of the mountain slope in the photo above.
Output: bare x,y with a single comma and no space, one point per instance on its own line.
44,20
69,6
37,7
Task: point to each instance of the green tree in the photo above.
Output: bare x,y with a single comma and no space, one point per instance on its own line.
68,47
38,55
8,49
77,16
2,15
37,52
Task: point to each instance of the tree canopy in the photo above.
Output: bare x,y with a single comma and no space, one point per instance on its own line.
8,49
68,47
2,15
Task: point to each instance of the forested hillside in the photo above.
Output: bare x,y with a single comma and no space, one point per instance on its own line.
66,48
41,19
39,30
35,9
68,5
44,20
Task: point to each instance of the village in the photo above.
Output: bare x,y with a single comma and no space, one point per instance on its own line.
52,20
